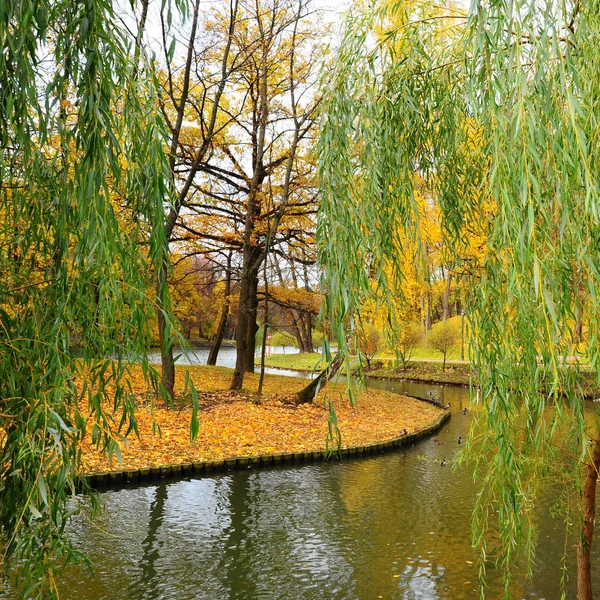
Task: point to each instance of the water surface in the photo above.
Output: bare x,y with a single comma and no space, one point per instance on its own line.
395,526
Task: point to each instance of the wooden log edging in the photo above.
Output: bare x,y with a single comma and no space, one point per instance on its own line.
119,478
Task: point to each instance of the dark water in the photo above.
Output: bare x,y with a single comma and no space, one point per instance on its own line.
396,526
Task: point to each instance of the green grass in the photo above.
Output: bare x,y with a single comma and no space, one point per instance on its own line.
307,361
425,353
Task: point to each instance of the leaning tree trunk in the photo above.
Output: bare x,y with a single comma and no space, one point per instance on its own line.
584,548
308,393
296,331
216,345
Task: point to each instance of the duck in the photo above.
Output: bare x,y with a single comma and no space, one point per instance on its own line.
459,440
465,411
443,463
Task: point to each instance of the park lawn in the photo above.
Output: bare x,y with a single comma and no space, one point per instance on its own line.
305,361
235,424
424,353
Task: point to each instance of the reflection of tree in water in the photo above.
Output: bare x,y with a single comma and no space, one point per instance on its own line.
238,551
147,586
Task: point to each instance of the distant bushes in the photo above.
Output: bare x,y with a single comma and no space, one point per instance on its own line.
443,337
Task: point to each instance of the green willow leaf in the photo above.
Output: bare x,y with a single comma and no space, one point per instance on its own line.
493,116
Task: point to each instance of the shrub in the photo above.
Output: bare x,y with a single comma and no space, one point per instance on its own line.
442,337
410,337
369,340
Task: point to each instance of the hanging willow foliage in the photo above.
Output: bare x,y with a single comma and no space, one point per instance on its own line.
494,115
82,181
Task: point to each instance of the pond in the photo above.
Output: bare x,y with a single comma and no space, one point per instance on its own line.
394,526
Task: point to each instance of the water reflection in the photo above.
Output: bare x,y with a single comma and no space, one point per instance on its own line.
396,526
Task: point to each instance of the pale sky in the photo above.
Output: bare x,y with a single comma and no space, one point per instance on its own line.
332,11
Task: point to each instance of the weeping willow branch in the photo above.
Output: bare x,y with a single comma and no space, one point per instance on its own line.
82,175
504,134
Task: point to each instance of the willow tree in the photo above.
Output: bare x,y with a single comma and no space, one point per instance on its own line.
496,112
81,146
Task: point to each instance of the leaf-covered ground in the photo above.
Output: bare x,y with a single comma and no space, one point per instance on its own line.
237,424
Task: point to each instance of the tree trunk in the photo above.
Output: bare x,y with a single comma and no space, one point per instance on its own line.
245,332
308,322
251,326
263,350
305,332
216,346
241,338
447,296
308,393
309,333
297,333
584,548
166,343
164,337
297,330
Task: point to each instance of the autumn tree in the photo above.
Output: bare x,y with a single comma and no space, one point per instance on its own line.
369,341
192,282
186,99
410,337
442,337
255,190
295,301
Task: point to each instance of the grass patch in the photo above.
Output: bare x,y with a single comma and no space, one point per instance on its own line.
306,361
425,353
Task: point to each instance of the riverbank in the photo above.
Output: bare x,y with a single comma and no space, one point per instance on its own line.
425,371
235,425
428,372
464,374
457,372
